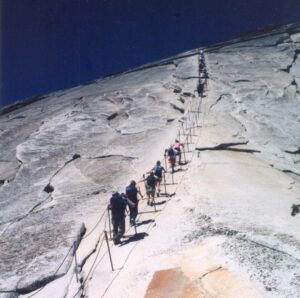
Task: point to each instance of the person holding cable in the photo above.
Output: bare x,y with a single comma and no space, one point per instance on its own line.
158,171
150,183
117,206
171,155
132,192
176,147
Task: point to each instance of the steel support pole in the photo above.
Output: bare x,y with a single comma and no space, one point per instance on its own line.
109,223
109,253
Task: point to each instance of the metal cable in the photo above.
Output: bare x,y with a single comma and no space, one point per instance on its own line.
85,280
93,229
149,227
54,272
93,268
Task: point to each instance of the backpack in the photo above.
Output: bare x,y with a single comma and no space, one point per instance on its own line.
158,171
117,202
131,191
171,152
151,181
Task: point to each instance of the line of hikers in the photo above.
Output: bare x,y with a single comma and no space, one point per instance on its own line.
152,182
119,202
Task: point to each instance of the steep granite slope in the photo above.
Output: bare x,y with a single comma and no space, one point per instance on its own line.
64,152
227,232
257,84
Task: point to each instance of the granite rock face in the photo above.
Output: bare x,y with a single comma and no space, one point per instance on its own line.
254,84
62,154
250,159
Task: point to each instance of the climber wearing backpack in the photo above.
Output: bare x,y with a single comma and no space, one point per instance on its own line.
171,154
150,183
117,206
295,209
177,149
158,172
132,196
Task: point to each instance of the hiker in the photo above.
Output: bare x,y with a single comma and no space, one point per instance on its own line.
177,149
117,206
295,209
158,171
132,197
171,153
203,75
150,183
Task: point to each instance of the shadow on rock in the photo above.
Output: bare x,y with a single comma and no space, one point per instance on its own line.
132,238
145,222
159,203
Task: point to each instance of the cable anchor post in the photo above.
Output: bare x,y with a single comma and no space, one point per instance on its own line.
109,253
76,263
109,223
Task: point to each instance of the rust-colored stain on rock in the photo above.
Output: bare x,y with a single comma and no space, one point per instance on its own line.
172,283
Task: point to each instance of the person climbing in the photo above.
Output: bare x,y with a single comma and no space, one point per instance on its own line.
150,183
177,149
158,172
117,206
171,154
132,196
295,209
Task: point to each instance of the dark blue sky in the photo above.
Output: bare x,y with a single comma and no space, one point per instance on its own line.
56,44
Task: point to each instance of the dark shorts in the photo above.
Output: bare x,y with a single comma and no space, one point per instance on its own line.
149,189
133,200
158,178
172,160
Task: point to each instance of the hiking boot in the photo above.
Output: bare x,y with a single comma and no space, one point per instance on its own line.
117,241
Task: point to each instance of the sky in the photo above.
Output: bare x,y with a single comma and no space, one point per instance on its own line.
58,44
